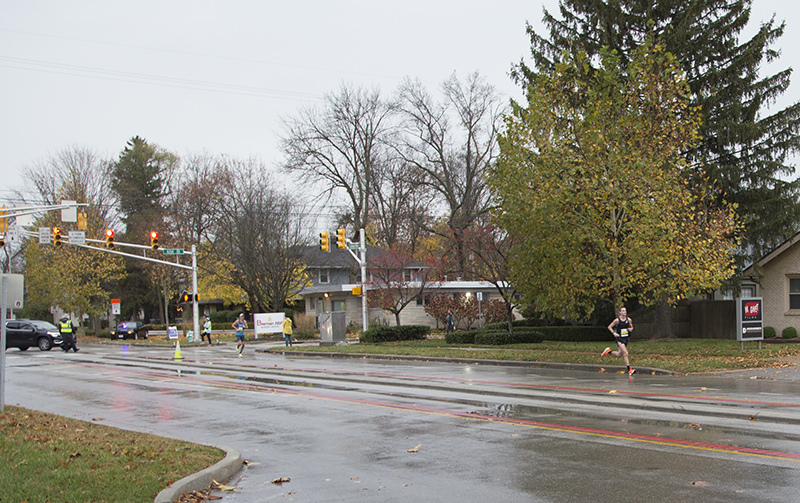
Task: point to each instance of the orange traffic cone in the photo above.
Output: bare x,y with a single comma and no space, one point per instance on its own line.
178,355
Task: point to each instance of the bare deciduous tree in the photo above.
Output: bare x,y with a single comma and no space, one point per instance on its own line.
343,146
262,233
452,144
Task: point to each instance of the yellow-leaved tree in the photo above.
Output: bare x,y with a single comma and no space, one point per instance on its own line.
594,184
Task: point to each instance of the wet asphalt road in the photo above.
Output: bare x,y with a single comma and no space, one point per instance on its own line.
342,429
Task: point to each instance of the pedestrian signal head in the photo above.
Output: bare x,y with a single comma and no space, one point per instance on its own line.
154,240
109,238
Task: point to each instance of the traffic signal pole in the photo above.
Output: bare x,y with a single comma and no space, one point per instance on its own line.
362,248
193,268
195,314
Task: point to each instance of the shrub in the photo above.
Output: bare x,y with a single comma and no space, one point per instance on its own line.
304,322
304,335
401,333
500,338
789,333
460,337
503,325
224,316
769,332
575,334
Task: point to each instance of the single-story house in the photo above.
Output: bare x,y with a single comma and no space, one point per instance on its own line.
776,278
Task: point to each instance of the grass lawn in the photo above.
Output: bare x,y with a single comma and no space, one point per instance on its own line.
49,458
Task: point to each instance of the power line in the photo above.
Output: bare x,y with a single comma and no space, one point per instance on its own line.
198,54
140,78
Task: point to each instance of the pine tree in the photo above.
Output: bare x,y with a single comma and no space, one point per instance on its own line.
744,147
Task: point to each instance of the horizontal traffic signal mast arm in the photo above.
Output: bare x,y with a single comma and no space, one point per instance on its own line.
140,257
32,210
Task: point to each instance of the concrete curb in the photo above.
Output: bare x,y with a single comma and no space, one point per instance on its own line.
587,367
224,469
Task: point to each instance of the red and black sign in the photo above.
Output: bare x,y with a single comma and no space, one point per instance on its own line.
749,319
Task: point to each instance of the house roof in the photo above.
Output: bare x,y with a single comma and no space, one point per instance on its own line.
750,270
338,258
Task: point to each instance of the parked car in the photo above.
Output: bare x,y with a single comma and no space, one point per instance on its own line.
24,334
130,330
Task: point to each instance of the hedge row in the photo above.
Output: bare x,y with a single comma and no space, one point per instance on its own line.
573,334
576,334
494,337
401,333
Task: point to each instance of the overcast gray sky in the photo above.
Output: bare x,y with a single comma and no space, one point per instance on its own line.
193,75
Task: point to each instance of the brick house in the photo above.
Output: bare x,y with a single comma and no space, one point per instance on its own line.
776,278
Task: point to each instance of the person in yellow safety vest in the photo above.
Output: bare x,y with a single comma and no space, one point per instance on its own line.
67,331
206,331
287,330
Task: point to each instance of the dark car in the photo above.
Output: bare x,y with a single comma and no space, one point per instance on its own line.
24,334
130,330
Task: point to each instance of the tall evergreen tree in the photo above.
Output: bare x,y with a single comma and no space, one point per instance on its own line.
744,147
140,179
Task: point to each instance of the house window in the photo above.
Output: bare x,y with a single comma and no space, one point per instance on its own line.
794,293
408,275
749,291
323,276
422,300
338,305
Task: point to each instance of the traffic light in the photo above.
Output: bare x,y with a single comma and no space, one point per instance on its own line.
154,240
81,221
56,236
2,240
109,238
324,242
341,239
185,297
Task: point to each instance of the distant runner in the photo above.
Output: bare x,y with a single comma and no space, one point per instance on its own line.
240,325
621,327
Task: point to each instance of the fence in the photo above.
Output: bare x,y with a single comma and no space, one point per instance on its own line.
706,319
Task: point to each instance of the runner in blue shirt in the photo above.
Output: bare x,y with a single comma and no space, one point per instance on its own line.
240,325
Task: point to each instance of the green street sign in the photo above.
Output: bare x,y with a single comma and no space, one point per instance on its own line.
172,251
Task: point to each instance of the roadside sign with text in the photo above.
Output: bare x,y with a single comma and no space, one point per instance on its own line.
749,319
268,323
77,237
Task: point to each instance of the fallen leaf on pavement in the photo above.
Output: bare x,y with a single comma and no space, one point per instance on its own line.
222,487
698,483
281,480
415,449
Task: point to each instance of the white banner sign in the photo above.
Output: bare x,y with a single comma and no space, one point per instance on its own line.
268,323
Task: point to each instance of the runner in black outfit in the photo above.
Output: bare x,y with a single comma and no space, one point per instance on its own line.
621,327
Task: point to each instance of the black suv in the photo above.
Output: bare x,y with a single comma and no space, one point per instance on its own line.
129,330
24,334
